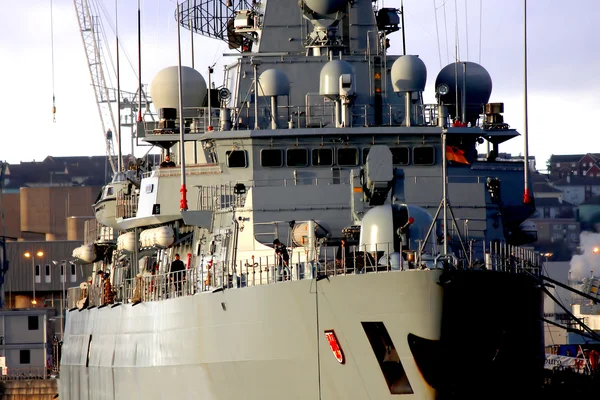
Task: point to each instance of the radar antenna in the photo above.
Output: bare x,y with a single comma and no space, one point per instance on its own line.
216,19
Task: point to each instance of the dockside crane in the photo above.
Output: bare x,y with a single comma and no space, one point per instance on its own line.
89,28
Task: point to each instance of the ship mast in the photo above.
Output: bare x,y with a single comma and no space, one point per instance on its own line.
527,198
183,202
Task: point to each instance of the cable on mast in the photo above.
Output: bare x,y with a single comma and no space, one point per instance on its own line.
437,34
467,28
52,47
480,24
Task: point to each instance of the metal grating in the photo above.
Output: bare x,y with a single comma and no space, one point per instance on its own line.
210,17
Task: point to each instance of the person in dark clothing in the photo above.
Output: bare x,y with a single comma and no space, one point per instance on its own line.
283,259
177,272
167,162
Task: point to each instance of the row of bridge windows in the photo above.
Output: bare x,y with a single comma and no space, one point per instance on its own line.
327,157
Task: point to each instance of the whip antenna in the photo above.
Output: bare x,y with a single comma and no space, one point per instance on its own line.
52,46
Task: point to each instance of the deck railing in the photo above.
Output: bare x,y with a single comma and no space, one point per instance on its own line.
126,204
26,373
270,269
315,114
96,232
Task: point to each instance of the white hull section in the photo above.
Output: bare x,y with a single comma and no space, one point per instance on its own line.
252,343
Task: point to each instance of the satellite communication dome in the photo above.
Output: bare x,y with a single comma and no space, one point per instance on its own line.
273,82
164,88
325,7
409,74
329,84
478,88
377,229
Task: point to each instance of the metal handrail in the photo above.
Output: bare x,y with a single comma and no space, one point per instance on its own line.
303,264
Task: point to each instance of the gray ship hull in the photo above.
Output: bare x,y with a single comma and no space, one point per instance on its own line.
253,343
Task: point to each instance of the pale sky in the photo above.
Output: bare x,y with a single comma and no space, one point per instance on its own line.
564,62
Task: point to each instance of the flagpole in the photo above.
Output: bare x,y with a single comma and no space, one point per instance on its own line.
527,198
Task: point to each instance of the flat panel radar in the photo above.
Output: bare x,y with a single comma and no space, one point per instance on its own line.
164,88
409,74
477,85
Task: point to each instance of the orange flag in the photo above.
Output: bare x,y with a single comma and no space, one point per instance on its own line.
456,155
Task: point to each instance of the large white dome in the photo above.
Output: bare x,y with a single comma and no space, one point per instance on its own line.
164,88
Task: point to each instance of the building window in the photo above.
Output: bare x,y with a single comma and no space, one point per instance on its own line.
25,357
347,157
73,274
322,157
557,236
400,155
558,165
424,155
33,322
47,275
572,227
236,159
38,277
271,158
297,157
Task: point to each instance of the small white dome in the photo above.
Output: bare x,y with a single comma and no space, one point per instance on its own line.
329,83
409,74
273,82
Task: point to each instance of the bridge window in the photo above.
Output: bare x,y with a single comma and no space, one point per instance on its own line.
322,157
400,155
347,157
236,159
271,158
297,158
424,155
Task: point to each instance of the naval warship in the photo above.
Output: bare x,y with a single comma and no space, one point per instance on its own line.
324,233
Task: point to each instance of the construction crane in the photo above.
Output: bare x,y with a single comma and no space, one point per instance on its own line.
91,33
89,27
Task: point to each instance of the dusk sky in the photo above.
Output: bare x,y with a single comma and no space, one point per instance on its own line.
564,62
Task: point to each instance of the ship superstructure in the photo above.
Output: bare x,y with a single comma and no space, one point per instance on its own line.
401,245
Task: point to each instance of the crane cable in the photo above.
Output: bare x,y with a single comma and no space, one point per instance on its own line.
52,46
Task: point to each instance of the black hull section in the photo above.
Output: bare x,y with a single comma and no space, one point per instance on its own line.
492,343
